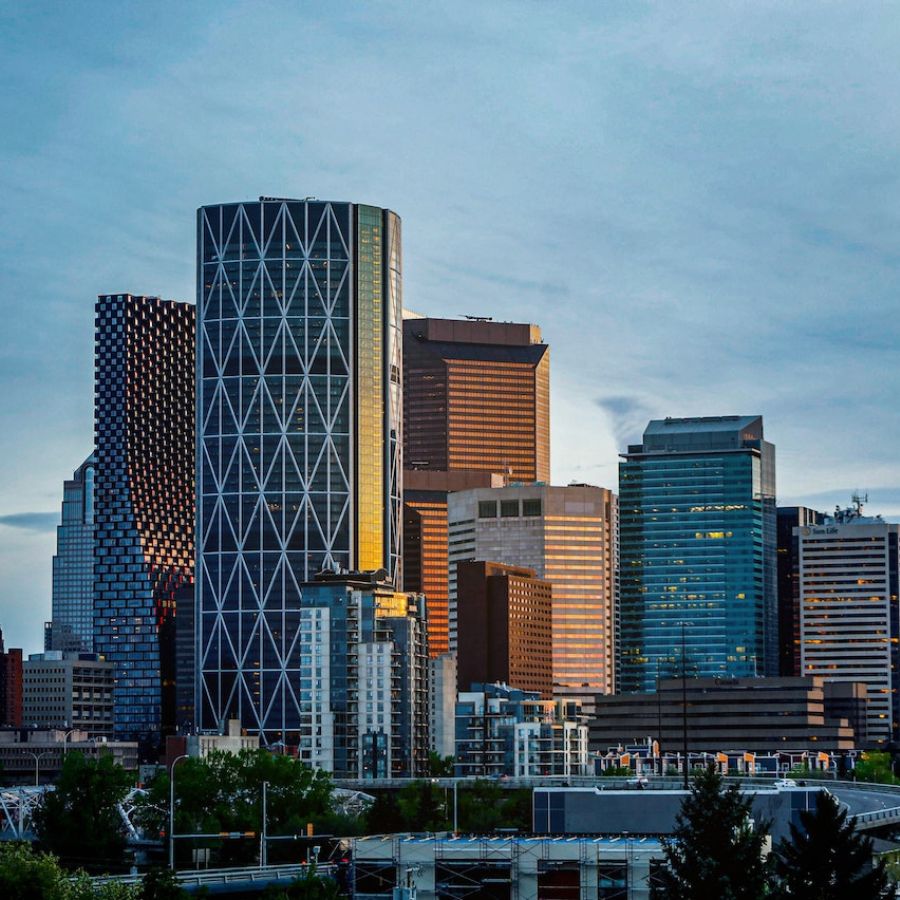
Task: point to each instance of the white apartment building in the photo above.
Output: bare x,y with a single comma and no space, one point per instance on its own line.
849,609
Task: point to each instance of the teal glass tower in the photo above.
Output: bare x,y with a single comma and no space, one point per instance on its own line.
697,546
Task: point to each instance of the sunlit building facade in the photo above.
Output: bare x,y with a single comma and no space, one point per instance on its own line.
143,501
299,434
567,535
697,548
477,414
72,624
849,629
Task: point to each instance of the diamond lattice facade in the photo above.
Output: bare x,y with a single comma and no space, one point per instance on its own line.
143,500
299,434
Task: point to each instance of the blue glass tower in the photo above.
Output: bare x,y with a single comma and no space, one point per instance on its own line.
697,546
72,627
143,501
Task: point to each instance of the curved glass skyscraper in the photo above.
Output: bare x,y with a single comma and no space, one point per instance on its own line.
299,406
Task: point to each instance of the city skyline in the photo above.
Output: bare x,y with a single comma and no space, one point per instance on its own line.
660,246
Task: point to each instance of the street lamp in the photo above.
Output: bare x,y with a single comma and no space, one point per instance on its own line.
37,762
172,809
263,851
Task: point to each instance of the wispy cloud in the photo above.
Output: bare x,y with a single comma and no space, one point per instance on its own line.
31,521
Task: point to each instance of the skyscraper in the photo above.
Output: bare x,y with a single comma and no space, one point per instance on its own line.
143,500
849,586
299,433
789,518
477,414
567,535
72,625
697,546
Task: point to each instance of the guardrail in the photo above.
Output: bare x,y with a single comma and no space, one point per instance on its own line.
208,877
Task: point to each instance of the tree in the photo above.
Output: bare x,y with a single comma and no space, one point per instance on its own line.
826,859
714,853
440,766
79,821
484,807
875,767
26,875
161,884
422,807
309,886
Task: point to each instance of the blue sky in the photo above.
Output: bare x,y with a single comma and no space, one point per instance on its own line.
700,205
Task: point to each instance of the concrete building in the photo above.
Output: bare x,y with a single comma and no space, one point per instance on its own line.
476,414
567,535
36,756
504,624
363,678
299,434
442,704
232,740
68,690
144,418
848,583
758,715
10,686
697,546
72,625
787,519
505,731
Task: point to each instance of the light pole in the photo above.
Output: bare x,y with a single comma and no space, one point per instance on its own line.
659,717
263,850
37,763
455,807
172,809
684,736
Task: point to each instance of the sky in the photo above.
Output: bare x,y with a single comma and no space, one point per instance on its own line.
698,203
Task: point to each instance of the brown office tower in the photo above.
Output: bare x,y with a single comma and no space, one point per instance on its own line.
504,616
10,687
476,414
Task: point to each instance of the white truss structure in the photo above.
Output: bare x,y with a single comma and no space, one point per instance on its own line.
281,308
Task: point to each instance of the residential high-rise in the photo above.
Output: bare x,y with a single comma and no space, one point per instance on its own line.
299,434
72,625
697,551
567,535
789,518
477,396
363,678
10,686
504,630
143,501
477,414
849,631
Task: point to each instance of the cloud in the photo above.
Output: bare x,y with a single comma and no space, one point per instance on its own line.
628,417
31,521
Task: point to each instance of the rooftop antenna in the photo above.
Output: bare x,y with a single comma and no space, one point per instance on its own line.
478,318
859,501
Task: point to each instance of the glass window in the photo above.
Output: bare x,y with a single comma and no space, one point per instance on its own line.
509,508
487,509
531,507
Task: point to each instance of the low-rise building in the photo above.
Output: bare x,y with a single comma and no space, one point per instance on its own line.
64,689
506,731
233,739
758,715
442,704
10,686
35,756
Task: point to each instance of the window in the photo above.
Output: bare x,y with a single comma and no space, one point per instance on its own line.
531,507
487,509
509,508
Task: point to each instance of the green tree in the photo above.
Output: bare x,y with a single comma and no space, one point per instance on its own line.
714,852
161,884
308,886
423,807
440,766
384,816
79,821
826,859
484,807
875,767
223,792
